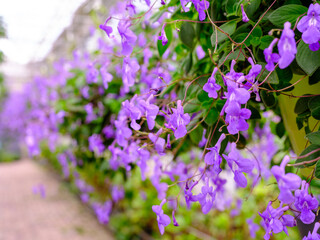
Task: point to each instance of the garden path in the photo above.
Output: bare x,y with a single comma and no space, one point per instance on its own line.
27,216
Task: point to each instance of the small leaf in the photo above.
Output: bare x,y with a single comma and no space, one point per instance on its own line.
254,112
317,170
240,37
315,78
196,135
311,157
286,13
252,7
203,96
273,78
187,34
301,105
212,117
265,42
284,75
314,137
257,32
280,129
308,60
228,27
314,105
268,98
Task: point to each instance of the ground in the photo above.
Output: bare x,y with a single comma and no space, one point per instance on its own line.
27,216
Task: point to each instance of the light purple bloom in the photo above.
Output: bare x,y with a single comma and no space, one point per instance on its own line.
103,211
244,15
213,157
107,29
90,114
117,193
286,182
188,195
149,110
178,121
211,87
128,38
305,203
200,5
274,220
129,69
238,166
206,197
39,189
271,58
253,228
203,141
163,219
314,235
310,27
106,77
287,46
92,74
158,142
163,36
132,112
200,53
96,144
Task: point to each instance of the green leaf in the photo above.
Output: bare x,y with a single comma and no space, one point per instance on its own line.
308,60
301,105
187,65
228,27
265,42
287,13
268,98
313,156
255,41
273,78
196,135
317,170
161,48
203,96
284,75
231,7
192,106
314,105
255,114
314,137
233,55
212,117
257,32
280,129
240,37
187,34
315,78
252,7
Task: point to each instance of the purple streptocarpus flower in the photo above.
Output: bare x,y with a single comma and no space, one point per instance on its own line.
96,144
106,28
236,117
271,58
211,87
149,110
238,166
103,211
206,197
92,74
251,78
129,69
106,77
213,157
200,53
253,228
132,112
157,141
168,142
203,141
286,46
39,189
314,235
122,131
244,15
305,203
274,220
117,193
128,38
188,195
175,223
286,182
310,26
163,219
178,121
163,36
200,5
90,114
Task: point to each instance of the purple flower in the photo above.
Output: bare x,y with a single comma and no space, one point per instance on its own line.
103,211
132,112
106,28
270,57
163,36
310,27
128,38
122,131
206,197
287,46
129,69
106,77
188,195
211,87
178,121
163,219
236,117
275,221
238,166
200,53
149,110
305,203
117,193
39,189
286,182
157,141
90,114
203,141
253,228
96,144
200,5
92,74
175,223
314,235
213,157
244,15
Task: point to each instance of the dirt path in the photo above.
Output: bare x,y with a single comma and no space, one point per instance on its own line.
27,216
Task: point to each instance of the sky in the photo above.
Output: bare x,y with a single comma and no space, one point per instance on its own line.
33,26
